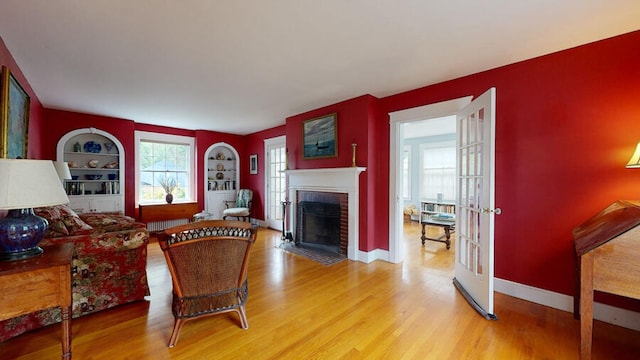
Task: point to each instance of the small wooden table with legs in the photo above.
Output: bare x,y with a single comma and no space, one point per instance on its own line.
448,226
38,283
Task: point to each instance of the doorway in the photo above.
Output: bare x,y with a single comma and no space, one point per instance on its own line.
475,182
396,200
275,181
429,189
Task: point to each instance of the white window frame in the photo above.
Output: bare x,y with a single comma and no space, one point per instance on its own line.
167,139
433,145
407,177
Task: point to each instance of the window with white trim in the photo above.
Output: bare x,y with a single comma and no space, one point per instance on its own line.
406,173
438,171
164,162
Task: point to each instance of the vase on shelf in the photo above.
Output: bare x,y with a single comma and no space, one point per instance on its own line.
169,198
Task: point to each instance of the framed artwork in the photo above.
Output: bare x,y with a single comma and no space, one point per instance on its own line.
253,164
319,136
14,117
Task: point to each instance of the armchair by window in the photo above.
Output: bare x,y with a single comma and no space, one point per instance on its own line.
241,206
208,262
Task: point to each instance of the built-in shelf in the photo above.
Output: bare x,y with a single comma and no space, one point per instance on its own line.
91,152
222,177
438,211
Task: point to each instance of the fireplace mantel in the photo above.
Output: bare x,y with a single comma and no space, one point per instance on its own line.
338,180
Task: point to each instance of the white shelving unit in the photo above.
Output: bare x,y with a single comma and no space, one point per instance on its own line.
439,211
96,160
222,177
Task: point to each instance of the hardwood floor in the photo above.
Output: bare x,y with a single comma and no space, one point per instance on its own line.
299,309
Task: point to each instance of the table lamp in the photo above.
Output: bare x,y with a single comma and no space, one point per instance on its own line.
25,184
634,162
62,168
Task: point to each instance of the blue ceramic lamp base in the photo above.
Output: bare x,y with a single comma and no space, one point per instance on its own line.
20,232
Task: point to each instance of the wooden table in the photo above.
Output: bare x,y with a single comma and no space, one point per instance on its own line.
608,246
39,283
165,212
448,226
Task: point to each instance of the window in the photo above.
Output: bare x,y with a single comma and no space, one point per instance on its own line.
164,159
406,173
438,171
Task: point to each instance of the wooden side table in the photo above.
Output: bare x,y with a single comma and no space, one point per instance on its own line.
448,226
39,283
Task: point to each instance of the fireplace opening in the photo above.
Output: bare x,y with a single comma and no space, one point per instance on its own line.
318,225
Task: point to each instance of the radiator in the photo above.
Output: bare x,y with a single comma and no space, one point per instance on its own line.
164,224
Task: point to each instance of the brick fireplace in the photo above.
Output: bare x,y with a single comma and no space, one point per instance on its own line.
309,184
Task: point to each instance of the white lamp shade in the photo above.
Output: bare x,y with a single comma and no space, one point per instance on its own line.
62,168
29,183
634,162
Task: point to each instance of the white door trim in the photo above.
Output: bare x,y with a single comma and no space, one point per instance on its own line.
397,118
275,141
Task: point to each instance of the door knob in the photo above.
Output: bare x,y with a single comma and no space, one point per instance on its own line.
496,211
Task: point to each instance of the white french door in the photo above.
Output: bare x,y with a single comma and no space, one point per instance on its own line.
275,181
475,203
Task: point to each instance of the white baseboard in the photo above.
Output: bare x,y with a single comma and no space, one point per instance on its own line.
367,257
609,314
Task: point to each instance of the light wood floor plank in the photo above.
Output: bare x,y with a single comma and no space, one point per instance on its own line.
299,309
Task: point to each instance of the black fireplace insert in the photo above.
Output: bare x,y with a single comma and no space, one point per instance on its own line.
318,225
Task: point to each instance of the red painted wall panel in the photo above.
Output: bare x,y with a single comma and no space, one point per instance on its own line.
355,118
60,122
255,145
204,139
566,124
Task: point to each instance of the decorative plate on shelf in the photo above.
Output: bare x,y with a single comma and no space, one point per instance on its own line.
92,147
219,176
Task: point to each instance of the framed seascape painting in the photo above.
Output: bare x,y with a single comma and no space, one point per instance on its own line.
14,117
319,136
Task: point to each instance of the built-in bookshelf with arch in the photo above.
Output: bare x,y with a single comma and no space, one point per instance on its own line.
222,177
96,162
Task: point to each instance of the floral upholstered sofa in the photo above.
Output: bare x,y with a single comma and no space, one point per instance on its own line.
108,264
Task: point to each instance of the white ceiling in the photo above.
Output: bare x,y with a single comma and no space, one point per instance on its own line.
431,127
241,66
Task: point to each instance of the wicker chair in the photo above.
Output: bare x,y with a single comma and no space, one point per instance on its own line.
208,263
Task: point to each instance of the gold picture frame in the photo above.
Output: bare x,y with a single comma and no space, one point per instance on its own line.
14,117
320,137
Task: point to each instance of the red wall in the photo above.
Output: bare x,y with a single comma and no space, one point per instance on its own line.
35,133
204,139
566,124
254,144
356,122
59,122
